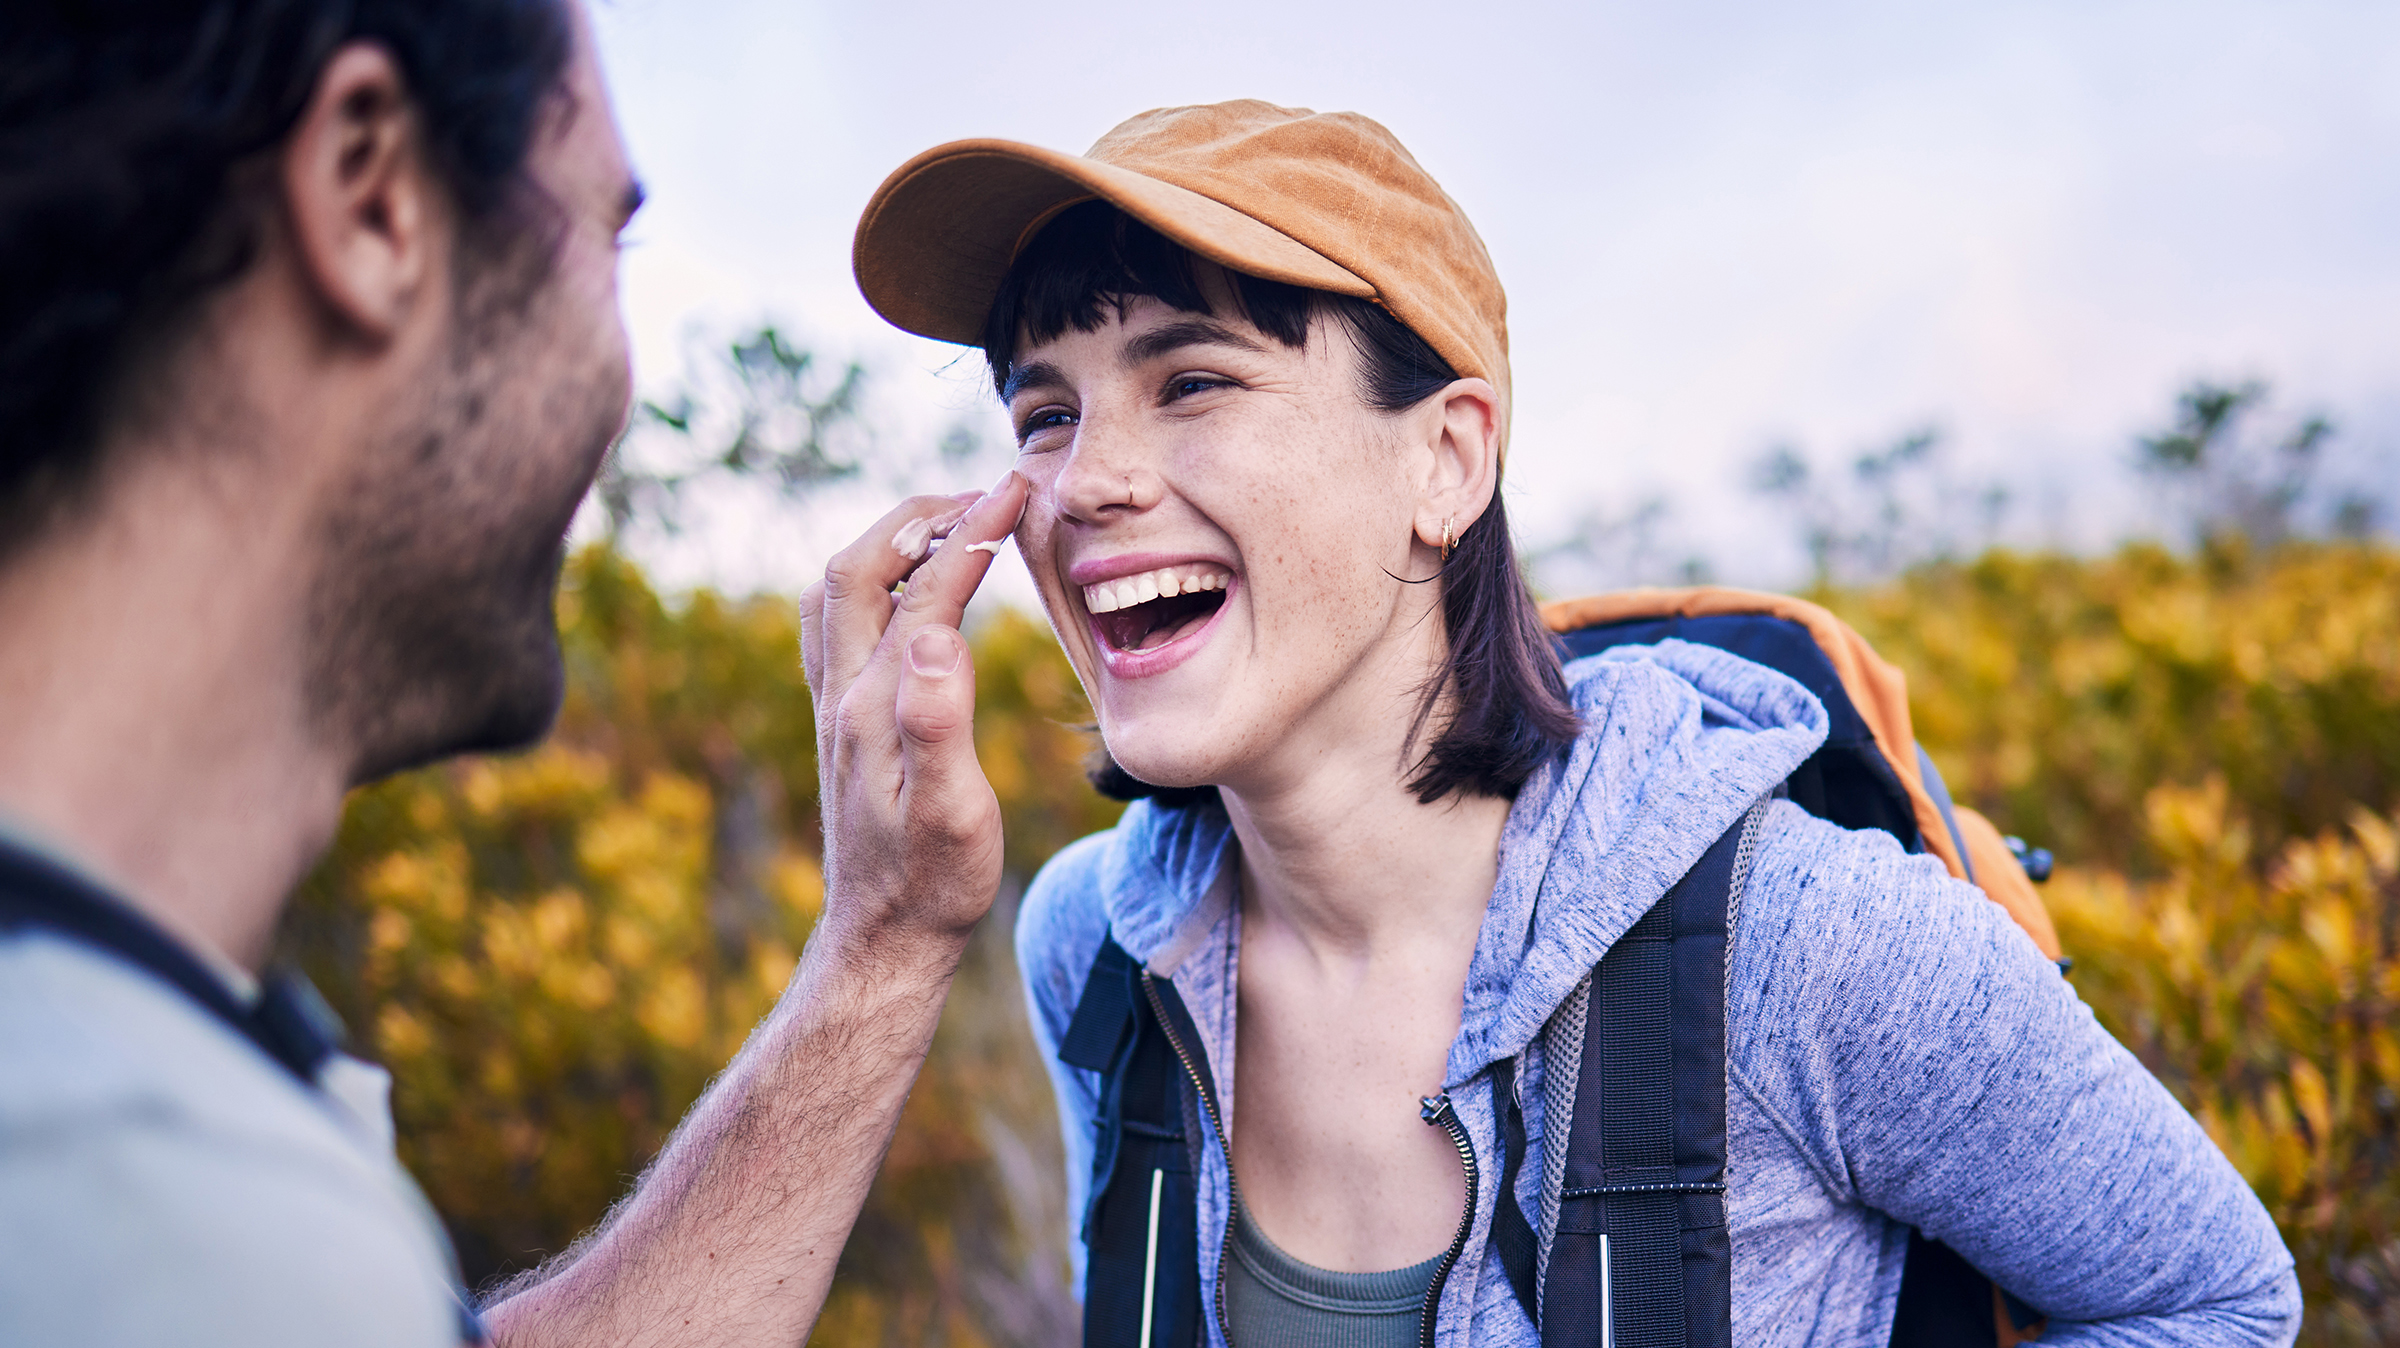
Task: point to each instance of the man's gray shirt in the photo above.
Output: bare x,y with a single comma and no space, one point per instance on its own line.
163,1182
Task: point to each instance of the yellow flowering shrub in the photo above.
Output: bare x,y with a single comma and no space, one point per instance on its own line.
2056,691
538,976
2268,999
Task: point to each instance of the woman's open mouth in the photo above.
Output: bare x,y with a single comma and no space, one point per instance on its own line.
1139,614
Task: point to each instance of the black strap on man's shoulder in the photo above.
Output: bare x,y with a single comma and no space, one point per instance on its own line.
1141,1224
290,1024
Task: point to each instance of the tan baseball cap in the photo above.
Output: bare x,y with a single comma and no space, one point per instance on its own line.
1330,201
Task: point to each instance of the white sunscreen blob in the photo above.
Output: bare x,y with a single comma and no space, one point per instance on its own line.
914,540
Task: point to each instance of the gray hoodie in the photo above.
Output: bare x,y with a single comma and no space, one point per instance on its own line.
1899,1052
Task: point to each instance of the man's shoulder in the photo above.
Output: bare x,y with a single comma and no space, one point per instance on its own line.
83,1034
153,1161
132,1230
96,1052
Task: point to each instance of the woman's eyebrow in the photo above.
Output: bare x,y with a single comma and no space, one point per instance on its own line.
1175,336
1022,377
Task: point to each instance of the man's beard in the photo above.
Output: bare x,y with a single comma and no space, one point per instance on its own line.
432,626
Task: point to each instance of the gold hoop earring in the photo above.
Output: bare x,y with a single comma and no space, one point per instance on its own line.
1449,544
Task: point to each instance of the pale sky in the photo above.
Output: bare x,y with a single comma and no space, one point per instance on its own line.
1721,225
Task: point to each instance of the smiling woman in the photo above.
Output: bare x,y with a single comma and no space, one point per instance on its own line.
1257,364
1495,707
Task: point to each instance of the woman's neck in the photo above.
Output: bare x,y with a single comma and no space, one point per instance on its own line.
1355,868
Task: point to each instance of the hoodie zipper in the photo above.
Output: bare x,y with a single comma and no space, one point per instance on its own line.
1208,1105
1433,1110
1436,1110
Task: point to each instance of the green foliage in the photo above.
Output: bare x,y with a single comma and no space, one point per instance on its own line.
2233,484
2216,474
761,415
1896,507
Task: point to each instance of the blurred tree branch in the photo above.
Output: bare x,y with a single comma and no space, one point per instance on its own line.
763,410
768,411
2226,480
1898,507
1631,547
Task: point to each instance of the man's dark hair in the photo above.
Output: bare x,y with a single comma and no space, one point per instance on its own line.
128,132
1508,701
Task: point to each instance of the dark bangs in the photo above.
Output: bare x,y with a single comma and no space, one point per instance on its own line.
1497,710
1093,260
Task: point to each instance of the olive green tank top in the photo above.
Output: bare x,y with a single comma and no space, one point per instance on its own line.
1273,1299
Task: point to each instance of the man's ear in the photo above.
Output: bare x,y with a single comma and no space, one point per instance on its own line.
363,211
1462,468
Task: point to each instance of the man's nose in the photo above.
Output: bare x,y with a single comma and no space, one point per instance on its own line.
1111,471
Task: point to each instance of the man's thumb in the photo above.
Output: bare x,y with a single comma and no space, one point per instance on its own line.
937,708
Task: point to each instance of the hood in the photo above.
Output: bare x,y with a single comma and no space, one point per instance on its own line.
1678,740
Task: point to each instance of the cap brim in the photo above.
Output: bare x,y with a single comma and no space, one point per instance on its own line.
940,234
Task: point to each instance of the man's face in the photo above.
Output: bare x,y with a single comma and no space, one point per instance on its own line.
432,625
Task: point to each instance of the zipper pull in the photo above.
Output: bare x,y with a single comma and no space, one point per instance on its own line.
1436,1111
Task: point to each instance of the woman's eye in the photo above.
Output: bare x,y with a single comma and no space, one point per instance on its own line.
1048,418
1189,385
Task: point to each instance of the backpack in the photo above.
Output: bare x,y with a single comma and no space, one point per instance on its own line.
1630,1245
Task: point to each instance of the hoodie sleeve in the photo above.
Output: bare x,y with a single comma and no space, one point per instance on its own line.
1936,1068
1059,929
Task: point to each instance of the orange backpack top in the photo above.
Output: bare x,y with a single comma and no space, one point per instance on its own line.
1876,688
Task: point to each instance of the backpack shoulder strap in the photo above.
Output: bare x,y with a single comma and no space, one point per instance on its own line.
1633,1238
1141,1223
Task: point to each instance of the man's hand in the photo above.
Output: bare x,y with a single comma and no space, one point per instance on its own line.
731,1237
912,830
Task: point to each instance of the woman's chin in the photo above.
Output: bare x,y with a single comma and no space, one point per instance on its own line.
1166,760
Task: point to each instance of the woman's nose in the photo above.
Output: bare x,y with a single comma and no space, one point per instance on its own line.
1109,472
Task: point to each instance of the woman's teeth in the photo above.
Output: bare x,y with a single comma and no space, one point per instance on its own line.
1110,595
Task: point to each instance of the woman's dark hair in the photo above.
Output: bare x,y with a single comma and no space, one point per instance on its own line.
1505,699
125,130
